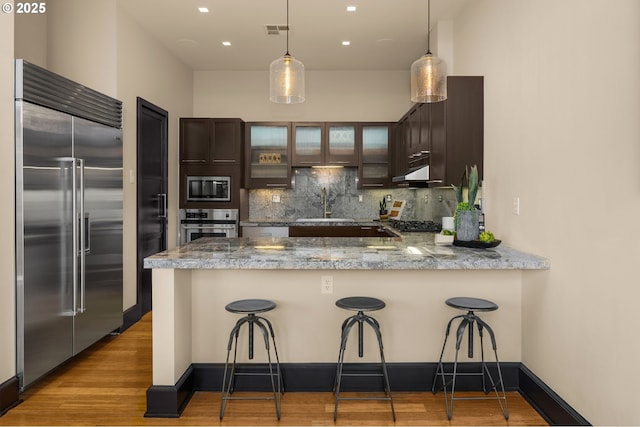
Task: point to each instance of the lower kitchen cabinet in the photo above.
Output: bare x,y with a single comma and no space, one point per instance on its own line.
339,231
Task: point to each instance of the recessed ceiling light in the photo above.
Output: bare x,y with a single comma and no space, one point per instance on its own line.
226,43
351,8
203,10
346,43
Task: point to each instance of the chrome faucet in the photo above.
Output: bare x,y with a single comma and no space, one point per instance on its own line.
325,212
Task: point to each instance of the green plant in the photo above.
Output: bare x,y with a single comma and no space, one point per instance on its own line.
470,181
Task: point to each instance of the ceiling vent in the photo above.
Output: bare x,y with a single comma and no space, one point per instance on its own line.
274,30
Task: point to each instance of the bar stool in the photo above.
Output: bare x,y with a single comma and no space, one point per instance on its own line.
360,304
251,307
467,320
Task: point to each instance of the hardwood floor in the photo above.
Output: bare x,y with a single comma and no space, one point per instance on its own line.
106,385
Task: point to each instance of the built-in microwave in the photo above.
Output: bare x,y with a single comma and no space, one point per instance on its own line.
208,188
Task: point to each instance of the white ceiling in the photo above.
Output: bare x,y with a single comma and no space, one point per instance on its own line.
384,34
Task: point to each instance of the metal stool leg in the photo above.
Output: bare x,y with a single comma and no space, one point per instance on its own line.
227,383
347,325
459,334
228,379
440,368
387,387
466,324
502,400
360,318
275,349
276,393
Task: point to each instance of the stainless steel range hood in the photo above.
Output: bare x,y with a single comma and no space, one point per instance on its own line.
420,174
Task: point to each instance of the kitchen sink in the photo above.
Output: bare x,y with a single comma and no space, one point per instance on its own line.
325,220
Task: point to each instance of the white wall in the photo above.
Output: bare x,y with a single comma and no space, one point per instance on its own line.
81,42
562,132
147,70
330,96
30,42
7,174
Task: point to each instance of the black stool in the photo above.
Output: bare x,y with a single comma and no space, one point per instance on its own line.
251,307
467,320
360,304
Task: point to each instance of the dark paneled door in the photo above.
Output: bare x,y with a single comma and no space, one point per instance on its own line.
152,193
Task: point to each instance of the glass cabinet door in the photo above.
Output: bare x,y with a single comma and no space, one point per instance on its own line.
307,144
374,166
341,144
268,155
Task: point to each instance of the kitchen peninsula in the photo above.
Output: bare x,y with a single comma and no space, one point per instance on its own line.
193,283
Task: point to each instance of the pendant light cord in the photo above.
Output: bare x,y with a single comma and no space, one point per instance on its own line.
287,54
428,26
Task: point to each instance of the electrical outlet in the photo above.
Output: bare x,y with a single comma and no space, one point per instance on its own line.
516,205
326,284
359,197
275,198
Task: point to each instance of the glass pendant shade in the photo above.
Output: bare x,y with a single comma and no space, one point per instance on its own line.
286,77
428,79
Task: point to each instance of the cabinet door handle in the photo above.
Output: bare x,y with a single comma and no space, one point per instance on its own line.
194,161
310,163
223,161
341,162
372,185
276,185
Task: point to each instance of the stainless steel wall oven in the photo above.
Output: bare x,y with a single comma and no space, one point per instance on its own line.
197,223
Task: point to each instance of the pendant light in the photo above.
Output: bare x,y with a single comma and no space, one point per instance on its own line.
428,78
286,77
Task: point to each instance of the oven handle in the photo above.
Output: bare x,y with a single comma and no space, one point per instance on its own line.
206,227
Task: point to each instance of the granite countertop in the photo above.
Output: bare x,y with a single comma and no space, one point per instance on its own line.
414,251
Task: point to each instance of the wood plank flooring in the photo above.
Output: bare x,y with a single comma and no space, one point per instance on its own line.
106,385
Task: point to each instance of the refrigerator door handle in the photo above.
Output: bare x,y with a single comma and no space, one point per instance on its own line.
83,229
87,233
162,205
74,235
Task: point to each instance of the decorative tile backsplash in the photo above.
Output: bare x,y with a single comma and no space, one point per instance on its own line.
344,199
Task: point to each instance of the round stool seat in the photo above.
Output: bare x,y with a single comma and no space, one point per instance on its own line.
250,306
472,304
360,303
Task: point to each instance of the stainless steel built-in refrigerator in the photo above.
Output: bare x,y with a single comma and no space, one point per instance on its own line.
68,219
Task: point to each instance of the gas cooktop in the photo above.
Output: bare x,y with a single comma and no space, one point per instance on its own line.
415,226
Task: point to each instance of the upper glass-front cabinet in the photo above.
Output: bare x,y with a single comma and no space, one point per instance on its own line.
325,144
374,164
307,144
268,155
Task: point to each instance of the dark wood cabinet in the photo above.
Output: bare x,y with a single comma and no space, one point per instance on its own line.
458,130
446,136
323,144
267,157
339,231
206,141
211,147
374,148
